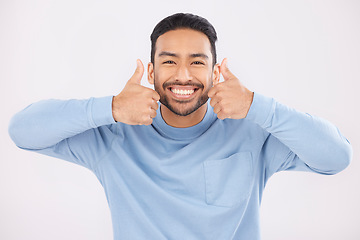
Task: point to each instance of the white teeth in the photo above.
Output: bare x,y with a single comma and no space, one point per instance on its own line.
182,92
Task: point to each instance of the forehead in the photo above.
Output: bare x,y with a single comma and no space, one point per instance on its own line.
183,41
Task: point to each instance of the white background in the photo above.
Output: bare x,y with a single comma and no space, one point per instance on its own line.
304,53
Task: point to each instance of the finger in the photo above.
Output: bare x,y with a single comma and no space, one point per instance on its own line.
213,101
152,113
225,71
212,92
217,108
148,121
139,71
221,116
154,105
155,96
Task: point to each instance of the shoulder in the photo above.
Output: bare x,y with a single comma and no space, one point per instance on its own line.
239,129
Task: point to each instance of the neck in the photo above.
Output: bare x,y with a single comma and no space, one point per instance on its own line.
177,121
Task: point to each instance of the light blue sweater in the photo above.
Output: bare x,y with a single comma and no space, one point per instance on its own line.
197,183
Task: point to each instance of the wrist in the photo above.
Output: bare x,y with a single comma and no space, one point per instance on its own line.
100,111
115,108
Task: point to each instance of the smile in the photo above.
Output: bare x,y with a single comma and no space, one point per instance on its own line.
183,92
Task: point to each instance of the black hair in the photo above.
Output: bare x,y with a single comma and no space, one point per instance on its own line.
181,21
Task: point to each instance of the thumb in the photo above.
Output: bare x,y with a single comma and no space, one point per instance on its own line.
139,71
225,71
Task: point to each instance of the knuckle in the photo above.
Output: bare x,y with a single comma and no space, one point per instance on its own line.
217,109
221,116
212,98
156,96
211,92
152,113
148,122
156,106
226,111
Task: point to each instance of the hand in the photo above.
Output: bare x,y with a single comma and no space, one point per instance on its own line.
135,104
230,99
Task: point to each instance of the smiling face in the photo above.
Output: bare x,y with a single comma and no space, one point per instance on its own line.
182,72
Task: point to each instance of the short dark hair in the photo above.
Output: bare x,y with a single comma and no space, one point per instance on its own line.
181,21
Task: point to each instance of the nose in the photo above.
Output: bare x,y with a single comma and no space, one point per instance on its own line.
183,74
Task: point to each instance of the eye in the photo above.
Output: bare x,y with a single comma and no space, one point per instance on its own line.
169,62
198,63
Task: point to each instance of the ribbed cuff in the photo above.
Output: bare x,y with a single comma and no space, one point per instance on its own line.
101,111
261,109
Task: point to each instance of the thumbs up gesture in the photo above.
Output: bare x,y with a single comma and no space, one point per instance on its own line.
135,104
230,99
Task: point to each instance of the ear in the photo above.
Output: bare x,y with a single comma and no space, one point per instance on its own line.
216,74
150,73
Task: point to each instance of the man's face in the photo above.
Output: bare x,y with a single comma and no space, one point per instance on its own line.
182,72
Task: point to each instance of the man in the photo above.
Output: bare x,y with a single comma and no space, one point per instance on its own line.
184,168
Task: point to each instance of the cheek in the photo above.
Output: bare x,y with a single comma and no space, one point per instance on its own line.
204,76
163,74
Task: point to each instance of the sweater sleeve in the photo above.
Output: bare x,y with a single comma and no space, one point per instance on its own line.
66,129
298,141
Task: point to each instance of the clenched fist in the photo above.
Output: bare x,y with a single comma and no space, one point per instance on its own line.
135,104
230,99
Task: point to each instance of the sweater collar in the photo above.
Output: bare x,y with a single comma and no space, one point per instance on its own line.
184,133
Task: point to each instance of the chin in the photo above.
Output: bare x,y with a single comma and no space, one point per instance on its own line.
183,108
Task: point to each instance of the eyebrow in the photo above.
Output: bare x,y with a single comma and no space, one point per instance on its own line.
193,55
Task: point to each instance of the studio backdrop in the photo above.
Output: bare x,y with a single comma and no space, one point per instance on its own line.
303,53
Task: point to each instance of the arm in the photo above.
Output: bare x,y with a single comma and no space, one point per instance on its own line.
74,129
297,141
46,123
311,143
66,129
